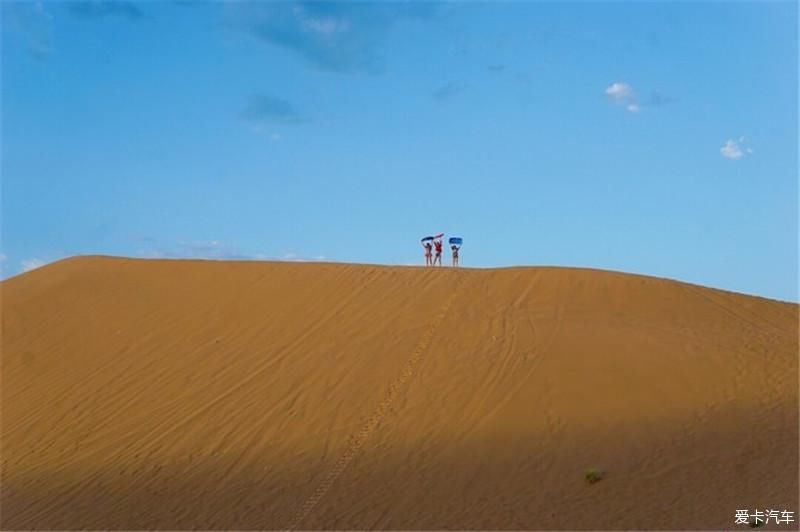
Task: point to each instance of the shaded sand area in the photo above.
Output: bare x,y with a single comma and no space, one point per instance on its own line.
241,395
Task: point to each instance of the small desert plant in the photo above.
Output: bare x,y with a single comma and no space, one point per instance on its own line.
593,475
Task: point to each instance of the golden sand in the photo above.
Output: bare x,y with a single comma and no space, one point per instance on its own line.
243,395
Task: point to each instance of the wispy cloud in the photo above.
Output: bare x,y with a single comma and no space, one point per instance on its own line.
31,264
447,91
33,23
342,37
95,9
210,249
621,93
192,249
294,257
213,250
735,149
262,109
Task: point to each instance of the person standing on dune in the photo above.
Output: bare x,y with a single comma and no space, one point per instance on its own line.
455,246
426,243
437,244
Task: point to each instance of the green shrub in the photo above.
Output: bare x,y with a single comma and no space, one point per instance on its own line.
593,475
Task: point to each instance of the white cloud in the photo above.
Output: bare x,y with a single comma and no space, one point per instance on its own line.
326,26
619,91
735,149
731,150
214,250
322,25
623,94
195,249
294,257
32,264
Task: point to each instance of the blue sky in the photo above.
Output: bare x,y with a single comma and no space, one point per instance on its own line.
655,138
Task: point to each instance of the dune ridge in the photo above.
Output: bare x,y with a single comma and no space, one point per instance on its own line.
245,395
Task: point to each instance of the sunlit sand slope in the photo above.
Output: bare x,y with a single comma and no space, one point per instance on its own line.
241,395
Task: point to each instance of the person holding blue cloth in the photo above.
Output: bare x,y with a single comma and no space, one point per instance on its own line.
455,245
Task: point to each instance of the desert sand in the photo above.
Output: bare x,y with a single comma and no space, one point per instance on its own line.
176,394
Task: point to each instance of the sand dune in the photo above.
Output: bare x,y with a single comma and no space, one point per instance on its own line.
240,395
